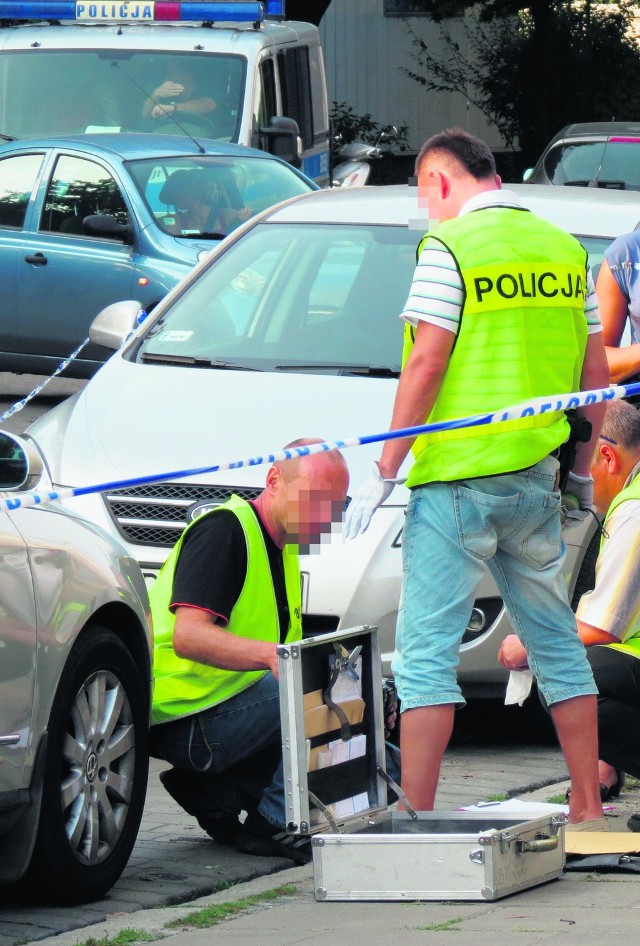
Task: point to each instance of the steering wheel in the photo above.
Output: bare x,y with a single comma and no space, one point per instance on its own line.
202,123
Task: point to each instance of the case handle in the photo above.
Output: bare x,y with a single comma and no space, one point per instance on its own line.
537,846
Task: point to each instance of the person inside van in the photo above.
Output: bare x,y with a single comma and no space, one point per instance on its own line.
177,95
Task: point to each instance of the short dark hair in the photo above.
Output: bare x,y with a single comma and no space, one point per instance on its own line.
621,425
472,153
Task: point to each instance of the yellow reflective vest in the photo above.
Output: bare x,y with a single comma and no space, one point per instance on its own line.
522,335
632,491
183,687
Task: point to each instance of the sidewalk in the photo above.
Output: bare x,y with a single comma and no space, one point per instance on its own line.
577,905
589,909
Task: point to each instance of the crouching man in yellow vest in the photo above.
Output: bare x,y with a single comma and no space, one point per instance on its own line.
228,594
610,614
501,310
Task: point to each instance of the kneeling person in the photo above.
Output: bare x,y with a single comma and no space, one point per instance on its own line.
228,594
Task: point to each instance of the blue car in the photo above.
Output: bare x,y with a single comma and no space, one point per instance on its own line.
87,220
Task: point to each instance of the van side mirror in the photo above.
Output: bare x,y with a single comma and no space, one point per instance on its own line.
283,139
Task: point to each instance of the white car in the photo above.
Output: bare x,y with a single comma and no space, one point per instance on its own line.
75,637
290,328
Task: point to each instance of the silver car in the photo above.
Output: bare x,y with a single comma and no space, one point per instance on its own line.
76,684
289,329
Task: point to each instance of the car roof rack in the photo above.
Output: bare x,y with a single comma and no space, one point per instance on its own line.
206,12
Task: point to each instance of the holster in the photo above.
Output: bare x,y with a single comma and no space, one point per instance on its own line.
580,432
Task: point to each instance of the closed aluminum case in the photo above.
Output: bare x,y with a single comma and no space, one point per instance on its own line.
336,791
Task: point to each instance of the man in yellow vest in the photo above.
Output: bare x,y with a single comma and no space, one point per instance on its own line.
610,614
501,310
228,594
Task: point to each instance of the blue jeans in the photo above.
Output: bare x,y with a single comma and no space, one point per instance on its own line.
240,737
511,523
229,736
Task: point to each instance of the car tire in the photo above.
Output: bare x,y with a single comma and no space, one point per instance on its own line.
96,769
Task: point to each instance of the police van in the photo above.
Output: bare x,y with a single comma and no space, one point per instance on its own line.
235,71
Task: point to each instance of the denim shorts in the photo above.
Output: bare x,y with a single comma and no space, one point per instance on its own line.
511,524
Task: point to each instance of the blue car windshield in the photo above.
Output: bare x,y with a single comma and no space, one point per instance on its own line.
202,196
76,91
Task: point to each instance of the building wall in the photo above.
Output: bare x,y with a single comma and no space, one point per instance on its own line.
364,55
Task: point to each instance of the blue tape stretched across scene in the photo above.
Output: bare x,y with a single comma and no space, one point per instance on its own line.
19,405
541,405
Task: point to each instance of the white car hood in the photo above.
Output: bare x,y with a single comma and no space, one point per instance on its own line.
141,420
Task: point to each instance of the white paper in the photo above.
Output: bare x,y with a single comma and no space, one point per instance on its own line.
516,805
346,686
518,687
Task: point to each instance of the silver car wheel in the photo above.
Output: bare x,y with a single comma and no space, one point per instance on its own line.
98,767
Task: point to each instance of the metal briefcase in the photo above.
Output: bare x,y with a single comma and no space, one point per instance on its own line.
336,790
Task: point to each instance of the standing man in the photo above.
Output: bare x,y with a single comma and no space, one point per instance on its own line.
228,594
610,614
501,310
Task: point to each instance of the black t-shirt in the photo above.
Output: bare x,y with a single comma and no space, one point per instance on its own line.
212,567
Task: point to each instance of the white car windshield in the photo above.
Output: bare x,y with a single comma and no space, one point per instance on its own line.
295,297
299,298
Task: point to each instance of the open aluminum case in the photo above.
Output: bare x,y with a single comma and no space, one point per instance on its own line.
336,790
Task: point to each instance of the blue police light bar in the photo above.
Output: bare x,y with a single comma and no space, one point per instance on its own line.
139,11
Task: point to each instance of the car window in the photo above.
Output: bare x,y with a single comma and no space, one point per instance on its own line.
617,163
293,296
199,196
78,188
17,178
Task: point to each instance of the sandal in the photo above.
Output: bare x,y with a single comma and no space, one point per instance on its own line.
607,791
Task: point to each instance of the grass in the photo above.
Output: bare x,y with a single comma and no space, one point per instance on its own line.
217,912
127,935
201,919
498,796
441,927
559,799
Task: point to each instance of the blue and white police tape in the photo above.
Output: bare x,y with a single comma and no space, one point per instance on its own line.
29,397
541,405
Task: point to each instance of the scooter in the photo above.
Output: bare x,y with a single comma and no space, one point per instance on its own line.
355,169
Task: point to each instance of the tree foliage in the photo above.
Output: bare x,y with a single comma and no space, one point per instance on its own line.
531,77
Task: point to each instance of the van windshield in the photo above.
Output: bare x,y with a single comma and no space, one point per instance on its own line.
60,92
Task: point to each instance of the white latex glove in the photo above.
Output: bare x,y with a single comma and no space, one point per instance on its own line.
580,487
366,500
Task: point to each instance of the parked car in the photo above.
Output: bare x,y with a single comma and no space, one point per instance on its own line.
76,688
90,219
290,328
591,154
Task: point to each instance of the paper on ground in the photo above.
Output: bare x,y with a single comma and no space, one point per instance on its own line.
517,805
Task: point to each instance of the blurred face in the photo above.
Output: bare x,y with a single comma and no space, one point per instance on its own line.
429,192
312,501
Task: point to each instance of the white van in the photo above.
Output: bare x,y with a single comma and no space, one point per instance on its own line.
108,67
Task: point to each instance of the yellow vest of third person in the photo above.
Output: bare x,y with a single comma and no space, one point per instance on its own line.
632,491
522,335
183,687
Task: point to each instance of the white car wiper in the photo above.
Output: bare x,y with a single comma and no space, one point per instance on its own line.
193,362
372,371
